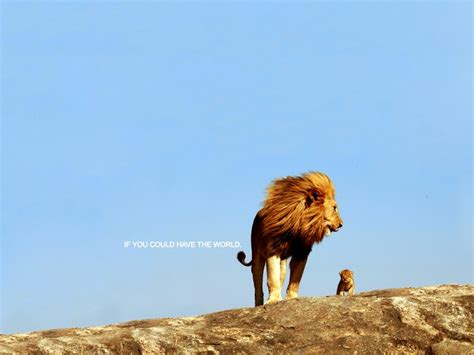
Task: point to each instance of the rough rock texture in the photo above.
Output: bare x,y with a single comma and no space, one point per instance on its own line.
434,320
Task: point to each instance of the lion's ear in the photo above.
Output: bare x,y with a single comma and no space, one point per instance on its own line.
313,196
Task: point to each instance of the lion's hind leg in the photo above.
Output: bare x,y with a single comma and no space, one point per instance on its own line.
258,264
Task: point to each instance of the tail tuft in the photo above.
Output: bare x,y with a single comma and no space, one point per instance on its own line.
241,259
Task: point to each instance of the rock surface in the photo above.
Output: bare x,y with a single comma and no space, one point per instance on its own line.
435,320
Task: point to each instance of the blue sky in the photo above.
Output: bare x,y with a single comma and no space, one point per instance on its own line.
166,121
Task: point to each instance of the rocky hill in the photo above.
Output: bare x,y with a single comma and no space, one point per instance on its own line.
436,320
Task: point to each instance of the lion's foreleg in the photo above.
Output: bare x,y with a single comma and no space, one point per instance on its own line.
296,273
282,272
273,279
258,264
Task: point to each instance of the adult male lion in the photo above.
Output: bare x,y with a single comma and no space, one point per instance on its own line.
298,211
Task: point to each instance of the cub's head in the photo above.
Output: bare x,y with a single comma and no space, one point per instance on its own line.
346,275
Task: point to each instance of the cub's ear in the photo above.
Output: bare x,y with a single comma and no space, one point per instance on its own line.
340,273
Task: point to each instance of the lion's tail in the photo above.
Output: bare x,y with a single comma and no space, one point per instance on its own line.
241,259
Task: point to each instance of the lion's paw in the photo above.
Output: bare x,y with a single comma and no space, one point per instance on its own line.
291,295
273,300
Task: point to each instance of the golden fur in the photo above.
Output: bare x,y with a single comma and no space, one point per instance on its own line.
298,211
346,284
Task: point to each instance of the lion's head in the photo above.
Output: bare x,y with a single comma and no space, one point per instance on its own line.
332,219
304,206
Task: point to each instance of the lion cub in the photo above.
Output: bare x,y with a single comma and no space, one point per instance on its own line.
347,283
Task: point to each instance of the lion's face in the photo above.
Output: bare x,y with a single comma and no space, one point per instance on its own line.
332,219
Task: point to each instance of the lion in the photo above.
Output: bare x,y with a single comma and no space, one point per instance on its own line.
346,284
298,212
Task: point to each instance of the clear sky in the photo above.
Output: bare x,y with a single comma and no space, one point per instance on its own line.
147,121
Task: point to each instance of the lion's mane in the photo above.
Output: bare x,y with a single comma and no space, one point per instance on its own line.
292,217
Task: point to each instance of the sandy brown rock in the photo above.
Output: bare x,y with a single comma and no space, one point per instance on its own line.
433,320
